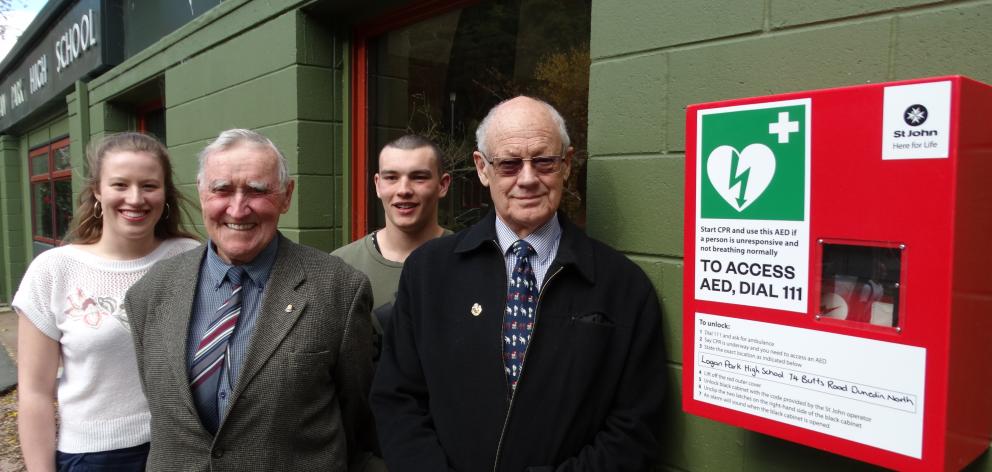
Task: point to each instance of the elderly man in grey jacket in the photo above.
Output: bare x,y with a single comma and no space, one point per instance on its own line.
254,352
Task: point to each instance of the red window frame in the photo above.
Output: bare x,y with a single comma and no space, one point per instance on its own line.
142,112
361,35
49,177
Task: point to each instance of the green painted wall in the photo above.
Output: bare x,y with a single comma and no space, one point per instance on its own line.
77,103
14,249
260,65
650,59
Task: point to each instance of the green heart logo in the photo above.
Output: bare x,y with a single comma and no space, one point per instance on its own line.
740,177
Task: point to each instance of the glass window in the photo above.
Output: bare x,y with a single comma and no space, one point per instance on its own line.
860,283
39,164
151,119
63,160
62,207
41,198
51,193
439,77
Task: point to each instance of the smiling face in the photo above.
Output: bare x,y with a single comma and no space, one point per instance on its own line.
409,184
131,193
523,127
242,201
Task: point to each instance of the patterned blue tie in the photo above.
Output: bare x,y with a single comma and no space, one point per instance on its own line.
213,353
521,305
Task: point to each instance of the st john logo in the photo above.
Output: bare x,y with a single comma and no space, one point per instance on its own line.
915,115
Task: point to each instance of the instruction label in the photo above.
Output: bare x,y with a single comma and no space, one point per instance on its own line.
862,390
752,205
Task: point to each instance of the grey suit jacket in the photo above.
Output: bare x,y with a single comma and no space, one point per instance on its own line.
301,399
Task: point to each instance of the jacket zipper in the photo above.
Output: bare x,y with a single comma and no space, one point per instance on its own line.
509,410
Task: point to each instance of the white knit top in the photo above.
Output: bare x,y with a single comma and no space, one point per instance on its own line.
75,298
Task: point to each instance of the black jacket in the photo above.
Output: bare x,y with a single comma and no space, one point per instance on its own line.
589,396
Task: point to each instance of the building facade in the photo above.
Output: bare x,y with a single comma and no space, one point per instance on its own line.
331,81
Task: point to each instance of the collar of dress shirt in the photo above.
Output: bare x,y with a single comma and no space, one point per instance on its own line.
542,240
258,270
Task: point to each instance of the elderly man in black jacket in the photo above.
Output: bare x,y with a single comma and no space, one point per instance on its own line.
522,292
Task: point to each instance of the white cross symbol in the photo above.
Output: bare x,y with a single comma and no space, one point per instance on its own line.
783,127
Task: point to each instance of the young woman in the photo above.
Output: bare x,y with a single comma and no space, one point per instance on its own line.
69,307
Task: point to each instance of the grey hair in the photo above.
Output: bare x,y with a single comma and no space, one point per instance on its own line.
236,137
483,129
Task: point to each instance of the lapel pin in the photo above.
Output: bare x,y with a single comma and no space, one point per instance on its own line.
476,309
289,308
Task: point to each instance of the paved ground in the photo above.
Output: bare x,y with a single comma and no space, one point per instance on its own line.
10,450
8,370
8,330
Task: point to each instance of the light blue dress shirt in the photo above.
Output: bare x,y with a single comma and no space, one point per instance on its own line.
545,242
212,290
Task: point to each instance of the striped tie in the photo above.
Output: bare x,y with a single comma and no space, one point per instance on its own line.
213,352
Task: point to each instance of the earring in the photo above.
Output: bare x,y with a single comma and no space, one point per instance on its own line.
167,212
97,210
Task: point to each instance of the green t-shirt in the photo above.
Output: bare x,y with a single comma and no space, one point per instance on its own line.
383,273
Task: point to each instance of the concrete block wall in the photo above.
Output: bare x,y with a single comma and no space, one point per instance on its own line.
258,65
14,248
650,59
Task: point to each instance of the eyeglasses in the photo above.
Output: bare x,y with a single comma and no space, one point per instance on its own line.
510,166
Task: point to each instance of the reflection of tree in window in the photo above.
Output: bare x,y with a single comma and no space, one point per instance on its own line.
62,158
63,207
439,77
43,210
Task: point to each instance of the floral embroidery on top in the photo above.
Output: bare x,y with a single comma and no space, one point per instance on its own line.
92,310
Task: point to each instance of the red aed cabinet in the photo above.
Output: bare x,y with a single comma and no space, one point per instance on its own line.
837,277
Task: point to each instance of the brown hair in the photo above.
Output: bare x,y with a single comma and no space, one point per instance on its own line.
409,142
86,228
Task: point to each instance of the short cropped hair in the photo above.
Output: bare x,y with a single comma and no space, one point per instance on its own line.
409,142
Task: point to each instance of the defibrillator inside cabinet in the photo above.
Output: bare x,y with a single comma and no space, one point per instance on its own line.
836,279
859,282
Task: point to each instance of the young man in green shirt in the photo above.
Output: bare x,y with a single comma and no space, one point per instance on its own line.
410,182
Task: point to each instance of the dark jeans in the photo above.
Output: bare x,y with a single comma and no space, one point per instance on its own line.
129,459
